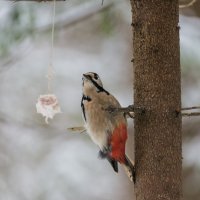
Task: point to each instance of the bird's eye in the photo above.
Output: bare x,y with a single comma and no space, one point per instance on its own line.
96,76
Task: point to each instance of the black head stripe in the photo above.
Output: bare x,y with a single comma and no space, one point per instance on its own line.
83,108
84,98
100,89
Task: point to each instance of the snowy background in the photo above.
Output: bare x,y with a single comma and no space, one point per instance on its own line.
46,162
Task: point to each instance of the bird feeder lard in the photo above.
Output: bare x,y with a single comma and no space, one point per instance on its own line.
48,106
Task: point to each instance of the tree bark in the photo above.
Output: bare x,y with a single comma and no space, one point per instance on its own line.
157,88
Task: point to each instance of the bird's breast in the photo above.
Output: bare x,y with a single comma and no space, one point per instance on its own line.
100,123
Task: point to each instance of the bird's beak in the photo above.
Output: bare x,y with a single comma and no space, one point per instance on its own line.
85,76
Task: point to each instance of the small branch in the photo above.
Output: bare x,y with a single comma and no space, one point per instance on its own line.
128,109
190,114
191,108
188,4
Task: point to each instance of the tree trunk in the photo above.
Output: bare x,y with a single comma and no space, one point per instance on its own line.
157,88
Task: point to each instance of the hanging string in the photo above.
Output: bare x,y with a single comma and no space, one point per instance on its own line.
50,74
48,104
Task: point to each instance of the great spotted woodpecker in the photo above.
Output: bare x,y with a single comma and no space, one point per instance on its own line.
108,130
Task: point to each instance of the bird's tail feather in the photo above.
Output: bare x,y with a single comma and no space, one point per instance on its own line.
129,169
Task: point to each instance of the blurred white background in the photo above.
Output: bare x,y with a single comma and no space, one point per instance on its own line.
46,162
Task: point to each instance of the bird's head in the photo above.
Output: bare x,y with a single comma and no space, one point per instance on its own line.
91,81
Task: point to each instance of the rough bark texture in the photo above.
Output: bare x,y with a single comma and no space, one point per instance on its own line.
157,88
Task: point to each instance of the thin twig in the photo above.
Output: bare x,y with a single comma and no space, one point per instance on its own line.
128,109
190,114
188,4
191,108
132,108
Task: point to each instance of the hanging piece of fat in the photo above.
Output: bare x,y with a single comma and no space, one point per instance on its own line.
48,106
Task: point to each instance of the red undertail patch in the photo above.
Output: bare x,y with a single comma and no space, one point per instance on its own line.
118,142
